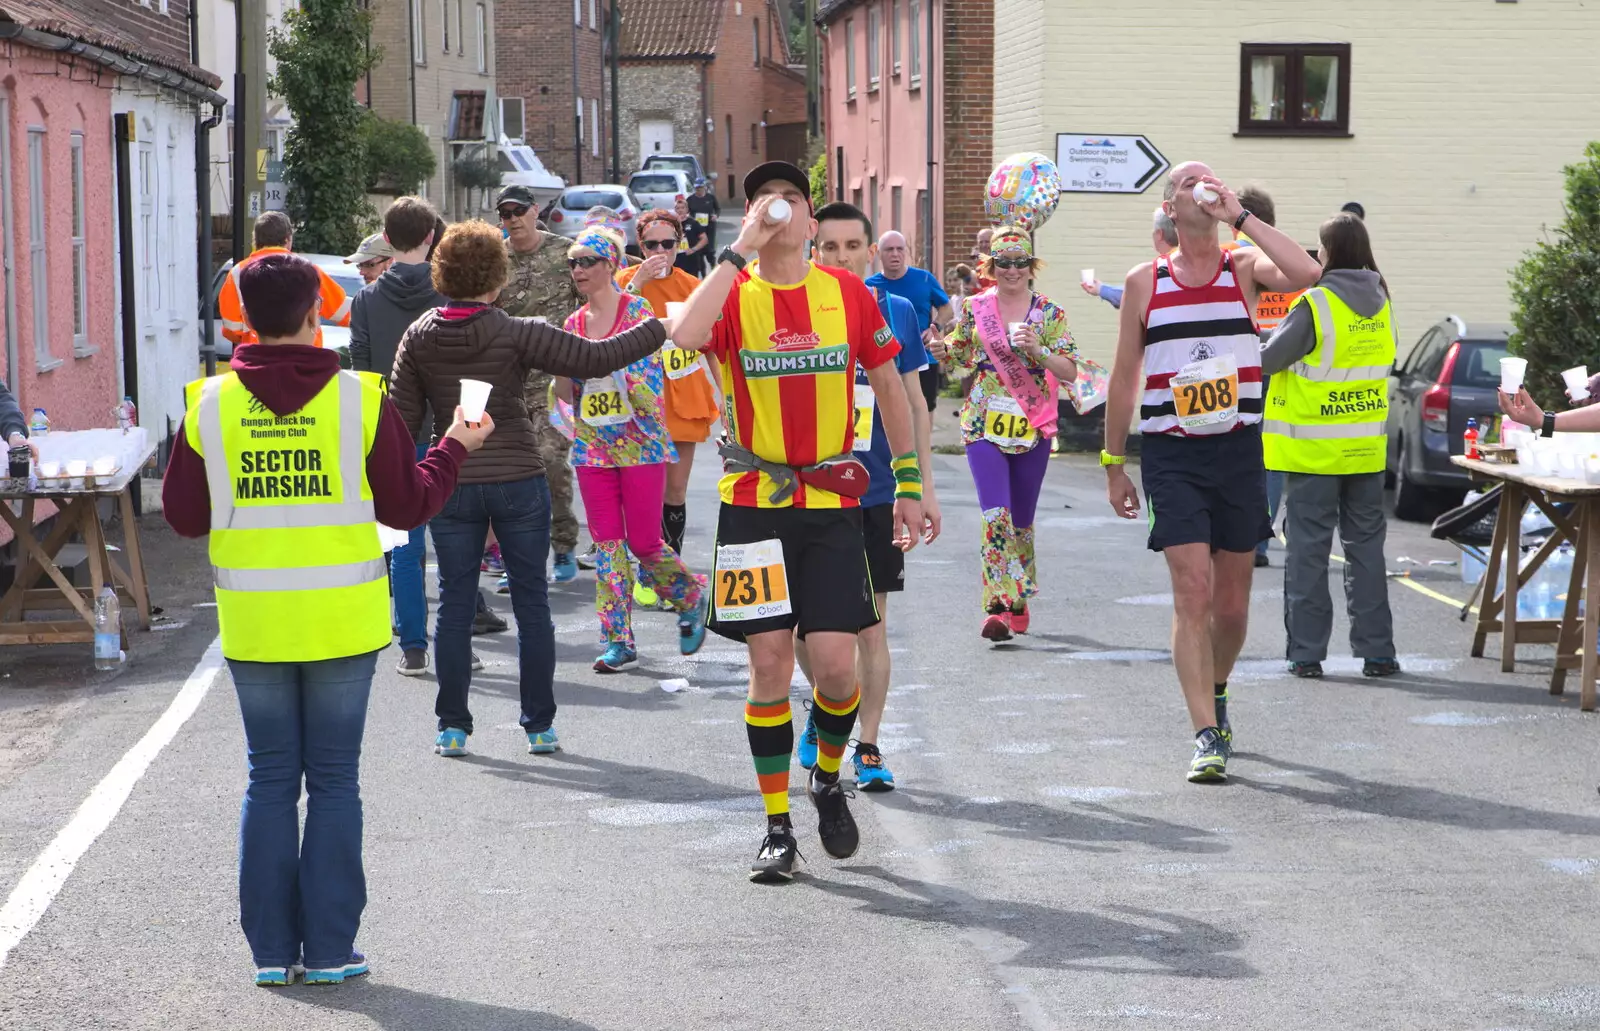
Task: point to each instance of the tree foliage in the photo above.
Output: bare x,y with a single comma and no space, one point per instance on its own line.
1555,289
399,157
819,180
321,53
478,171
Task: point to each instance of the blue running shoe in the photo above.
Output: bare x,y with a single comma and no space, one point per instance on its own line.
871,773
1210,763
452,741
806,750
502,585
566,568
544,742
614,658
278,977
356,967
692,630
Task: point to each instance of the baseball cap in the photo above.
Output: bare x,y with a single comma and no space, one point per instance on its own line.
516,195
374,246
700,183
772,171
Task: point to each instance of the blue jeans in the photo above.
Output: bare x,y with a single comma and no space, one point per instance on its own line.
1275,482
519,511
406,580
302,719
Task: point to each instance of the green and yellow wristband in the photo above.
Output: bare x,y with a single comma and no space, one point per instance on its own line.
907,477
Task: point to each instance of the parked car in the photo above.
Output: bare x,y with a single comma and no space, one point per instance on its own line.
571,208
658,187
335,337
688,164
1450,376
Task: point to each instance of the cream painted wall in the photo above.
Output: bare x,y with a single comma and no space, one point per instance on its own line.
1462,114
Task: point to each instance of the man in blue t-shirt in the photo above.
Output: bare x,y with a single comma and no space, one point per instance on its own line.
927,297
844,240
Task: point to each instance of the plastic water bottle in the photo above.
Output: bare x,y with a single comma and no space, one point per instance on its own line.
1470,440
39,425
108,630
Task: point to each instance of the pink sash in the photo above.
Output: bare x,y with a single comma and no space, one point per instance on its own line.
1039,405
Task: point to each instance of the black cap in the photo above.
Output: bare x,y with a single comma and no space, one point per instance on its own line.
516,195
1354,207
770,171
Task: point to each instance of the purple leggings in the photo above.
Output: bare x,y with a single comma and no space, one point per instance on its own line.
1008,481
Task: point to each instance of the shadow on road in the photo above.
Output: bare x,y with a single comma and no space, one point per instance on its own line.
1057,939
1410,802
621,781
399,1009
1535,693
1084,826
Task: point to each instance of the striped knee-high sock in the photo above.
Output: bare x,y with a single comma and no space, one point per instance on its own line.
771,733
835,720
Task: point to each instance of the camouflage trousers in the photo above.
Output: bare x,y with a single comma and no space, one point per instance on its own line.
555,451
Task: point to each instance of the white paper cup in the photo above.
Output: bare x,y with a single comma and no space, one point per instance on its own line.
779,211
49,470
1577,381
1204,194
77,467
104,465
1088,276
1012,329
474,398
1512,371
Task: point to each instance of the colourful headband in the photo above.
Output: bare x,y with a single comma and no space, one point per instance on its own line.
602,242
1010,238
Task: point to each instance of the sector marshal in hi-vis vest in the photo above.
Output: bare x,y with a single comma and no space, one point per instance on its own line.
1096,163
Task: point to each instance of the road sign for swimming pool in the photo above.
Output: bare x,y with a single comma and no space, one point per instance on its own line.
1092,163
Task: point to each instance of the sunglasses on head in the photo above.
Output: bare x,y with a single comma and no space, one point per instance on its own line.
586,261
658,245
1013,263
514,211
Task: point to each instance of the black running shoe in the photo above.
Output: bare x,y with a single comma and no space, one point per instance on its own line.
1306,670
1221,698
1379,667
775,862
835,826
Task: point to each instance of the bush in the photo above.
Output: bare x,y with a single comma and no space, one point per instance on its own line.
479,171
399,157
1555,289
819,180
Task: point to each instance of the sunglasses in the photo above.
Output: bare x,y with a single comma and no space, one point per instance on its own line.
372,263
1013,263
514,211
587,261
658,245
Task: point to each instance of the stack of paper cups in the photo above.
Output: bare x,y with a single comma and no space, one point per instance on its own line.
1577,381
474,398
1512,371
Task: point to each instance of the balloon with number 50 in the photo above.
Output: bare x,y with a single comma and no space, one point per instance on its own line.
1024,190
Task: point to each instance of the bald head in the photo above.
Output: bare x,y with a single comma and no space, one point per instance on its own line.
894,254
1178,197
1183,177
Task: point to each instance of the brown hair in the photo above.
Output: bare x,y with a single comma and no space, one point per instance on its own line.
1346,245
470,261
656,216
408,222
1259,201
273,229
278,291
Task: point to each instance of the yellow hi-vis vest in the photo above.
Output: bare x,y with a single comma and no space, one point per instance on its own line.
1328,413
295,554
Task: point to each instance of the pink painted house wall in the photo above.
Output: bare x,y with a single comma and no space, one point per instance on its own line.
78,389
882,128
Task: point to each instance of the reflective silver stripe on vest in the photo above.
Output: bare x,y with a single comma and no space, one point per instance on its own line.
306,578
225,515
1325,431
1324,372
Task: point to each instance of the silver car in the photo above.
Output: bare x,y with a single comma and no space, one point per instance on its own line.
660,187
567,217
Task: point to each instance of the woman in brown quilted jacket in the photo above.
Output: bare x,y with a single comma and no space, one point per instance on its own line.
503,484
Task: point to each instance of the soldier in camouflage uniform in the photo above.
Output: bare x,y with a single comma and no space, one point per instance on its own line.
541,288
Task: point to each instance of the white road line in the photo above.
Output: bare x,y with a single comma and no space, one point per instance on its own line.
45,878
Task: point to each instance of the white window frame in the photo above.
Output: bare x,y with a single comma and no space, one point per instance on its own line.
914,39
419,33
755,34
874,48
577,13
850,58
581,126
522,118
171,242
149,284
80,257
38,253
483,39
444,23
894,38
461,38
164,7
594,17
594,126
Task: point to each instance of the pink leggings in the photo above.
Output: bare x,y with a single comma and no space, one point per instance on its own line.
625,504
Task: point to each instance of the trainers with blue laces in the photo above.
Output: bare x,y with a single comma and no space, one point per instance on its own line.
692,630
355,967
544,742
452,741
614,658
871,772
806,749
565,569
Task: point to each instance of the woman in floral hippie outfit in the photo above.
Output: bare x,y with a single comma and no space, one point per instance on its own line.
620,455
1017,342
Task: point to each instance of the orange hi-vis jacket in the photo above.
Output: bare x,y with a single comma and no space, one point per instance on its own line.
1272,307
335,305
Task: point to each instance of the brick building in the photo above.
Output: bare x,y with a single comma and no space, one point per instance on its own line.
438,73
711,78
550,64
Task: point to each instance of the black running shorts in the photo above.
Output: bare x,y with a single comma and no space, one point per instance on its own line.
1206,490
824,577
886,564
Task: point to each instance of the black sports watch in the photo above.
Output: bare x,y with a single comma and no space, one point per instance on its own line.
733,257
1244,215
1549,424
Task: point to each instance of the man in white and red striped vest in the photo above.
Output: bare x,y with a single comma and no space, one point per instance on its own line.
1189,355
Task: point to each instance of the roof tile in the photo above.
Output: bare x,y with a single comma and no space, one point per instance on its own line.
74,19
671,28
